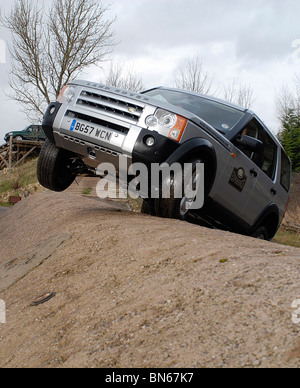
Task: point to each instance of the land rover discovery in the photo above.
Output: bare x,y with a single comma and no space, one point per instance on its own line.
247,172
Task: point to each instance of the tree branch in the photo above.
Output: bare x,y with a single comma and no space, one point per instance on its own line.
48,50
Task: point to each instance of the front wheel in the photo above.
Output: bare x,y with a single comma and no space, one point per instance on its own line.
180,208
54,168
148,207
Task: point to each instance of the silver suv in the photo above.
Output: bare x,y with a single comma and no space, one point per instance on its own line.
247,172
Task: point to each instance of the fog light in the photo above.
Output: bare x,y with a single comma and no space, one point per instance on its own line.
150,141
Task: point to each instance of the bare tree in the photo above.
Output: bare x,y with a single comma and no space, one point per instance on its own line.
49,48
239,94
285,101
288,100
123,78
192,76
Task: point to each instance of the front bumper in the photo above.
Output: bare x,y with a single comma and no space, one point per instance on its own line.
49,118
95,151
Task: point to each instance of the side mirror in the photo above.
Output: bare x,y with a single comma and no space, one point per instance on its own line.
250,143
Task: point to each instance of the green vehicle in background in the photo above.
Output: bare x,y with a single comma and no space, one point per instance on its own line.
31,133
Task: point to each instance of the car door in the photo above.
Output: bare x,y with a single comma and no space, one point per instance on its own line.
236,184
265,168
34,133
28,133
39,133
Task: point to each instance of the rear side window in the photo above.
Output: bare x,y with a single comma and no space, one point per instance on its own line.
270,156
285,172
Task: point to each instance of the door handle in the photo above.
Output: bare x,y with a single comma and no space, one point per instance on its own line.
253,173
273,192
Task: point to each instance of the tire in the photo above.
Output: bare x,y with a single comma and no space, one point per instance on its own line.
261,233
18,138
175,207
148,207
54,168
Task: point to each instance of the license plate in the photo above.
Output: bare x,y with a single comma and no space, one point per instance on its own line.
91,130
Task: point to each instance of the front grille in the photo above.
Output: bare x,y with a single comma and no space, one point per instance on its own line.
111,106
94,120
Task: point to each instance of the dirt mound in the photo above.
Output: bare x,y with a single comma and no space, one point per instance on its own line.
137,291
294,204
291,221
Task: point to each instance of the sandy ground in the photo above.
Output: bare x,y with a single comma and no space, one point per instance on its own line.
2,210
137,291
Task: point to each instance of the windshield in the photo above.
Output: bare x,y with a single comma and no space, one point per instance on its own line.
218,115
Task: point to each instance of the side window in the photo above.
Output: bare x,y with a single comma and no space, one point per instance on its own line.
270,156
267,160
285,178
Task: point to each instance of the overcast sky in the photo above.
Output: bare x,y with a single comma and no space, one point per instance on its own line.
250,41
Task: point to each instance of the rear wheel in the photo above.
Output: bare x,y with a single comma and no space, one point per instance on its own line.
261,233
55,168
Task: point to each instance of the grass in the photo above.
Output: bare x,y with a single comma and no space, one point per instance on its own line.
292,219
5,204
287,237
18,179
87,191
24,175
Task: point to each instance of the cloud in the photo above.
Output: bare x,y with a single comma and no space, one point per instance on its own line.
248,41
145,24
261,30
270,32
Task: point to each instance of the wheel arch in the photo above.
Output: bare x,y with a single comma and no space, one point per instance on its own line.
270,219
203,149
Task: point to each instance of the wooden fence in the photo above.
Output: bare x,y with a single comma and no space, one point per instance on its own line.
14,152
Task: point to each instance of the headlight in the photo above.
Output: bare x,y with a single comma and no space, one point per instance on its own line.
67,94
168,120
164,119
152,121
